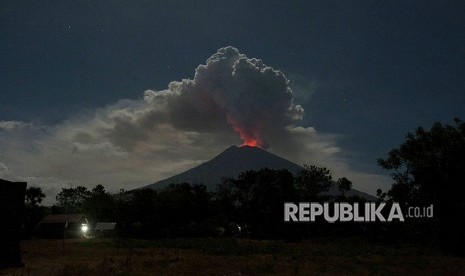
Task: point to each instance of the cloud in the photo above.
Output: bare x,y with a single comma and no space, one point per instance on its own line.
231,91
50,185
4,171
9,125
232,99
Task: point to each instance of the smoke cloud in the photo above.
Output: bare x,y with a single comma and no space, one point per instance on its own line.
230,89
232,99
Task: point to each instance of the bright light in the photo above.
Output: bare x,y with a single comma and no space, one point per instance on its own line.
84,228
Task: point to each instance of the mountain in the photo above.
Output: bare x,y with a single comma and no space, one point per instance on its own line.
233,161
229,163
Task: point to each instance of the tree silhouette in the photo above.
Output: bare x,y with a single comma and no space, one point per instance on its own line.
429,167
34,196
98,205
71,200
33,211
311,181
344,185
182,208
255,200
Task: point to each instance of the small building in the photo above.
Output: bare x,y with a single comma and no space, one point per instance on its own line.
105,229
11,212
58,226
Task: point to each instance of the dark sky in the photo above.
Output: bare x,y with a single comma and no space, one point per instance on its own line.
368,71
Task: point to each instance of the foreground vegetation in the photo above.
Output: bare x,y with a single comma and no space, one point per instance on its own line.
232,256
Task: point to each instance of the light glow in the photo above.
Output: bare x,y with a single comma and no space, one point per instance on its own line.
84,228
248,135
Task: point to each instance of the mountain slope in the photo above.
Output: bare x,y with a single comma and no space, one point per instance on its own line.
233,161
229,163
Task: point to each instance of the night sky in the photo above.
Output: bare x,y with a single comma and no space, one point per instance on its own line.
75,77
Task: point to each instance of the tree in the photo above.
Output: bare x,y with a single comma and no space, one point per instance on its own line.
123,212
33,211
311,181
381,195
143,216
429,168
71,200
255,199
98,205
183,208
34,196
344,185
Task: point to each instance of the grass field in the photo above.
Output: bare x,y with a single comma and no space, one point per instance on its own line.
229,256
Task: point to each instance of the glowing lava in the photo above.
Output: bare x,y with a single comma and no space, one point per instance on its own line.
251,143
249,136
250,139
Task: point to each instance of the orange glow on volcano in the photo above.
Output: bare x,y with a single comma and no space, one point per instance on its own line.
251,143
250,137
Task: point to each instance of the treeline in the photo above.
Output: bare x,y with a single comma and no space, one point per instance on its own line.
250,205
427,169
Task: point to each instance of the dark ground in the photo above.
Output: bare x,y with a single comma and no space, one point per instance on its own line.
230,256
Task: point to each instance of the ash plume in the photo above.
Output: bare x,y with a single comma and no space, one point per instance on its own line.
128,143
231,89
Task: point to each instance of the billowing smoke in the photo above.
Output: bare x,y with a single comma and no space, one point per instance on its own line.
254,99
231,99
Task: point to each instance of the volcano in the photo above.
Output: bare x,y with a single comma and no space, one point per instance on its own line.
231,162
